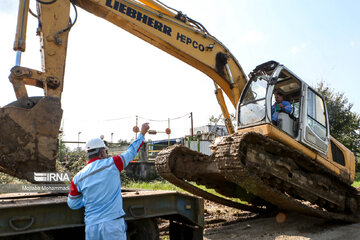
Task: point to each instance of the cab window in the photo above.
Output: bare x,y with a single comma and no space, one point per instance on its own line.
316,117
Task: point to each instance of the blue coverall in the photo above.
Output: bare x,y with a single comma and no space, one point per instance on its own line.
275,109
97,187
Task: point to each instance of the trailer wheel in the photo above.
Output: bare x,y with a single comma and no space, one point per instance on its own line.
143,229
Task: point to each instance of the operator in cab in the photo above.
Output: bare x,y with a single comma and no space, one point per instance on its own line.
97,187
279,106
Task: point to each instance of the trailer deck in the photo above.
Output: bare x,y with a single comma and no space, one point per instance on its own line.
23,213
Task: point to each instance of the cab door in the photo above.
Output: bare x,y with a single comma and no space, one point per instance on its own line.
315,129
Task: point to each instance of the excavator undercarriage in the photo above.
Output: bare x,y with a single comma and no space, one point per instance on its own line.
250,166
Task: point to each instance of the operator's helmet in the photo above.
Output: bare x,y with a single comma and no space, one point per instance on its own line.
94,145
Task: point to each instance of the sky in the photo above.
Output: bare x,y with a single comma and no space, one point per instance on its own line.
112,76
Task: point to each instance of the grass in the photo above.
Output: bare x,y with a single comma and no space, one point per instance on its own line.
163,185
356,182
153,185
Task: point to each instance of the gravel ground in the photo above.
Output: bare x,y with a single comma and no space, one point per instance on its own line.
227,223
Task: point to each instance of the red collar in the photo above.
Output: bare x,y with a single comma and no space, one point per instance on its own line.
93,160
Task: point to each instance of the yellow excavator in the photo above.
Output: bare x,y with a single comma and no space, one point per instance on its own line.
29,126
293,164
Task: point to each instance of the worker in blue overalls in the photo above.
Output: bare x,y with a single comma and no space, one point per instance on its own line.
97,187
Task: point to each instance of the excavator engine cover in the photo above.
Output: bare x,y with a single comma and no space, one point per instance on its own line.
29,131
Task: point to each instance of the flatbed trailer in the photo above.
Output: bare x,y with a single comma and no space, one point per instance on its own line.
47,216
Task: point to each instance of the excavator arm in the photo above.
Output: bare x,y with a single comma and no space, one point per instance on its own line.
181,37
30,125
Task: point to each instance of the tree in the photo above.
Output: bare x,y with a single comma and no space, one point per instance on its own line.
344,124
122,142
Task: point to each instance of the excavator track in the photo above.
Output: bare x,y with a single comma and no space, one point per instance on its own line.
165,170
271,171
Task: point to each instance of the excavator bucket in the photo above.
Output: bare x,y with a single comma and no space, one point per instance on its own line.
29,136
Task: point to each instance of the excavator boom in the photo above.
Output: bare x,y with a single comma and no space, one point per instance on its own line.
176,35
30,125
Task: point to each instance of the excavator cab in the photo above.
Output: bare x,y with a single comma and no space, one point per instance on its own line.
307,122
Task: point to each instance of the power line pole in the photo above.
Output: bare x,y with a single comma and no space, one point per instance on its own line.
192,127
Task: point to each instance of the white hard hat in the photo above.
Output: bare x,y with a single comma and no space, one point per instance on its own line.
94,144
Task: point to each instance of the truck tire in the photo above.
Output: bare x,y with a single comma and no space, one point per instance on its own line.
143,229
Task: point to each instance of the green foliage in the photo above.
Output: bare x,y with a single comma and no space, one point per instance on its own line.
7,179
344,124
356,182
71,161
124,178
122,142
